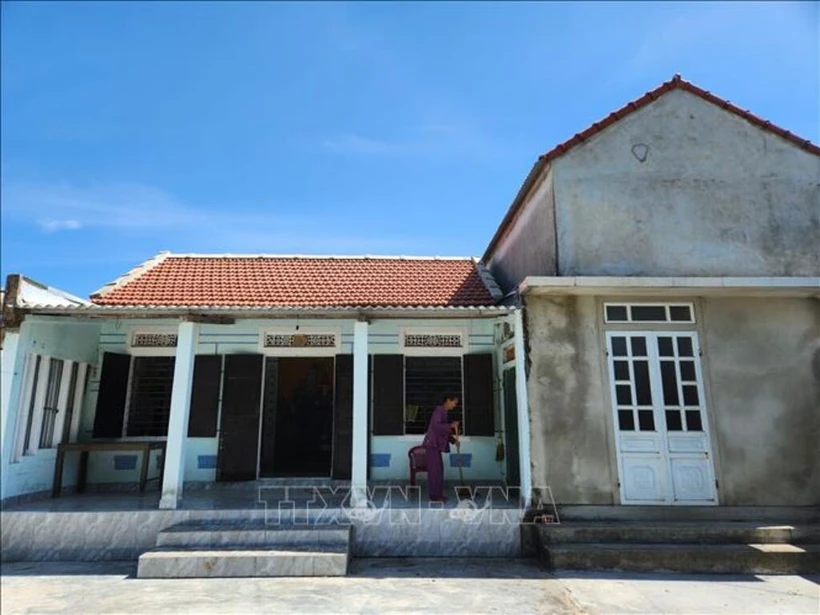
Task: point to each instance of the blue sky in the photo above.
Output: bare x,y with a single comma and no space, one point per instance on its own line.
368,128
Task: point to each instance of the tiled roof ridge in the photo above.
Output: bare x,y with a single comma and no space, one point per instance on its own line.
489,281
131,275
676,83
322,257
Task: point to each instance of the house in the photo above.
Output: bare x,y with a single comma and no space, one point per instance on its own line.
667,260
255,367
642,332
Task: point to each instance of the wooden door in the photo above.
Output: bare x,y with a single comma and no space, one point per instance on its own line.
511,429
239,430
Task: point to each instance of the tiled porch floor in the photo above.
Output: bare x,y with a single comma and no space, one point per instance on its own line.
262,494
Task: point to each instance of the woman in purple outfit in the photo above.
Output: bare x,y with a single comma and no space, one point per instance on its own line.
437,441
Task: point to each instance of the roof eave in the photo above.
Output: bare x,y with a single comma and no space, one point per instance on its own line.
806,287
343,312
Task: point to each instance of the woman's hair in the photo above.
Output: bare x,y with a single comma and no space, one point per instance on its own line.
445,396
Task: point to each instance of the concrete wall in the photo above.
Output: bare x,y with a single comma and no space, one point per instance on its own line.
763,357
390,452
569,419
715,196
529,246
761,367
62,339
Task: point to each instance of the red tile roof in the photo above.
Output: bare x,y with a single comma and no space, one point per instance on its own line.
676,83
283,281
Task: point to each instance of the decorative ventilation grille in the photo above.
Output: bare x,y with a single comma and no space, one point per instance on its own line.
309,340
415,340
154,340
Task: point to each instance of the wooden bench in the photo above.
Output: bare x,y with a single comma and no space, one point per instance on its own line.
84,448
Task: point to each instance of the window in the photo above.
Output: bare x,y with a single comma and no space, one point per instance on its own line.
70,402
32,404
149,403
426,379
648,313
50,409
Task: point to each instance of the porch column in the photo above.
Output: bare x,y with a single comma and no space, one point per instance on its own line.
523,408
13,362
174,472
358,482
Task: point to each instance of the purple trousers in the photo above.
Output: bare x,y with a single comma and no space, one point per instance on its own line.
435,473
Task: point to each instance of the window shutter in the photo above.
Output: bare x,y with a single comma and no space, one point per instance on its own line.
478,395
388,395
205,396
343,418
110,412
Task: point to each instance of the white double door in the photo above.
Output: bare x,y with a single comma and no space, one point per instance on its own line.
661,429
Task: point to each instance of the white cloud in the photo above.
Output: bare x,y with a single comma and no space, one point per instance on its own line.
424,139
155,215
51,226
356,144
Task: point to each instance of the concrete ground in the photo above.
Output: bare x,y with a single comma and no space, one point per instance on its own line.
400,586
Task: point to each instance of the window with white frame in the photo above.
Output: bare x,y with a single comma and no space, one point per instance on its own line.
51,396
51,403
29,405
71,402
646,313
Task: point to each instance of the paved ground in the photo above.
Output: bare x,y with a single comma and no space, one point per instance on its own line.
401,586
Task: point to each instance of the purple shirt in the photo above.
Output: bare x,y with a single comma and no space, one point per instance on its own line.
439,432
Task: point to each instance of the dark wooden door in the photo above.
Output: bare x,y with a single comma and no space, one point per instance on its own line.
343,418
511,429
239,430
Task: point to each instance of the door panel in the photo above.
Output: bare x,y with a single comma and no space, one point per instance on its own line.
343,418
511,429
692,478
662,436
643,478
239,430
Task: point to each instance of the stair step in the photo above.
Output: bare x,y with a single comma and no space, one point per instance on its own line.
678,533
293,561
251,534
711,558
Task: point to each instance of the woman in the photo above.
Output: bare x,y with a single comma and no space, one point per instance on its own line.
437,441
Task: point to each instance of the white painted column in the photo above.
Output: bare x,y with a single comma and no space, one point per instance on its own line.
12,363
523,409
174,473
358,480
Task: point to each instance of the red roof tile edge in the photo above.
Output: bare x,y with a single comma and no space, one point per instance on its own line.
483,275
676,83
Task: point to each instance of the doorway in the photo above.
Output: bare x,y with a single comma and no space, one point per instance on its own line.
659,410
297,417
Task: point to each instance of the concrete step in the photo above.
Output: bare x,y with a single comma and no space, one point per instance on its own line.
293,561
769,514
703,532
685,558
204,534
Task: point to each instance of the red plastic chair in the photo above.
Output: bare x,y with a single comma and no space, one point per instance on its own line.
418,462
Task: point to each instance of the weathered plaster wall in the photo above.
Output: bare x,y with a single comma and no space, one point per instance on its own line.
714,196
569,420
764,378
529,246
